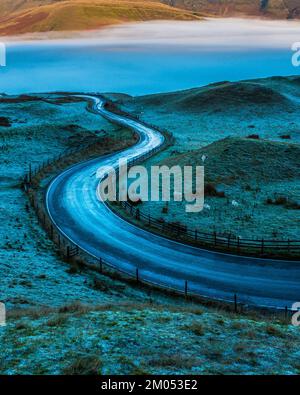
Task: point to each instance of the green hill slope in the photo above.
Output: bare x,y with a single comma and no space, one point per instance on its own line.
30,16
225,95
243,159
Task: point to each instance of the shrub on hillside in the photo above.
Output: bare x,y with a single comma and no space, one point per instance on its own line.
211,190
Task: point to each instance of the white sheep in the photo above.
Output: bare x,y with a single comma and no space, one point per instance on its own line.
235,203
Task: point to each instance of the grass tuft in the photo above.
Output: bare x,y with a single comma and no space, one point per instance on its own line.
87,365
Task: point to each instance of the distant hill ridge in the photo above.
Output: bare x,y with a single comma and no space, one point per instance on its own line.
281,9
252,94
28,16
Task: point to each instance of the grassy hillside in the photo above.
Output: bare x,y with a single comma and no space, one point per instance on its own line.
248,133
117,327
9,6
145,338
229,160
31,16
28,16
213,96
282,9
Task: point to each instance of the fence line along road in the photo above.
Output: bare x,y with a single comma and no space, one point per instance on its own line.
231,243
71,252
70,249
267,248
235,244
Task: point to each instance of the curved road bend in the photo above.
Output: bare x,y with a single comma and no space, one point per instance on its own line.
74,208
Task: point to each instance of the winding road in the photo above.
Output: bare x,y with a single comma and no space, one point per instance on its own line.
74,208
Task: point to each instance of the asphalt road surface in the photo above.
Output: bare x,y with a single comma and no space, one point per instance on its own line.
74,207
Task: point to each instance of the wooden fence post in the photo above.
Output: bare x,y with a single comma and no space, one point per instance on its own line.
68,252
262,246
137,275
235,303
185,288
101,265
228,243
285,313
30,173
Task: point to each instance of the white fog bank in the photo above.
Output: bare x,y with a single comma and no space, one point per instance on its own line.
211,33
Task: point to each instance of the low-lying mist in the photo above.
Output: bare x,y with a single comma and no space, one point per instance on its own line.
225,33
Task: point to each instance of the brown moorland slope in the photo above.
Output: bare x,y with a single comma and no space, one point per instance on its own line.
29,16
75,15
278,9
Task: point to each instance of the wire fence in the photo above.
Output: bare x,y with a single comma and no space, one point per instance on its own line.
267,248
72,251
235,244
33,171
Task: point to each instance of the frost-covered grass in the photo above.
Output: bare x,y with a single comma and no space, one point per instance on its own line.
34,275
70,320
215,122
136,337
